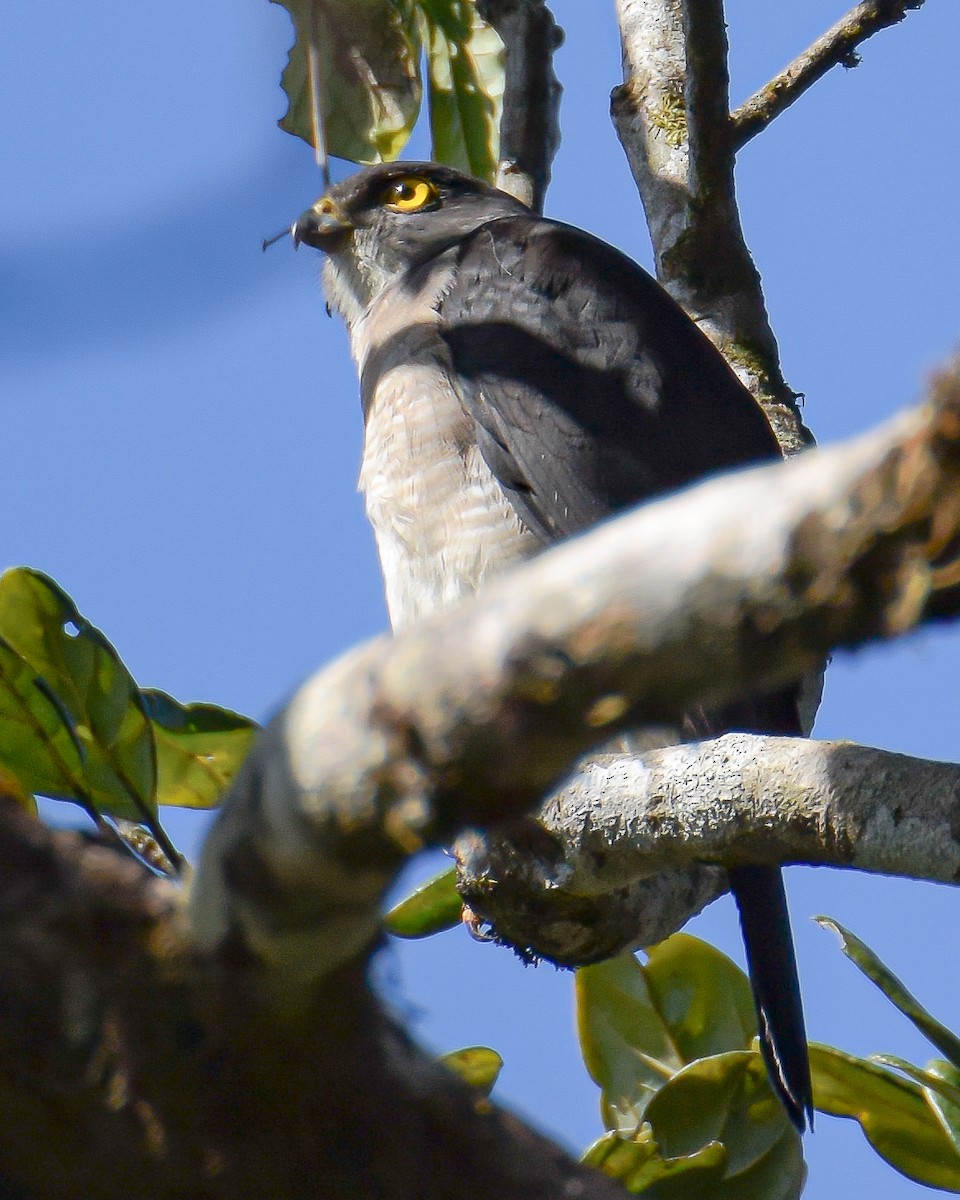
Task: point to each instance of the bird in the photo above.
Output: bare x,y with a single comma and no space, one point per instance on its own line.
520,381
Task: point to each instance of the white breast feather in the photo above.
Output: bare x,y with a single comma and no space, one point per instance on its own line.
442,523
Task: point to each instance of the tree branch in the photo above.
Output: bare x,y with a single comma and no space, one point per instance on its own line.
474,715
837,47
530,125
131,1066
672,117
603,877
243,1060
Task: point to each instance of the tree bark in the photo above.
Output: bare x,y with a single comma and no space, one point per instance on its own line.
472,716
672,116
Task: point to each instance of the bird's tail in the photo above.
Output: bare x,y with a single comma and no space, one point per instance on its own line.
762,903
765,922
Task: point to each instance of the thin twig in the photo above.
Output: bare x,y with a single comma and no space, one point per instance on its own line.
707,96
837,47
315,84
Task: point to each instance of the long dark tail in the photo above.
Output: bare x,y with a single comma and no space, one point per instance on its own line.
765,922
762,902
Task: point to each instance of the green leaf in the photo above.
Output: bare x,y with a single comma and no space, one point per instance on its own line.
670,1046
479,1066
36,747
369,78
942,1093
465,62
703,998
859,953
715,1131
199,749
626,1046
893,1113
12,789
74,725
639,1025
926,1077
638,1164
727,1099
75,673
369,70
940,1083
431,908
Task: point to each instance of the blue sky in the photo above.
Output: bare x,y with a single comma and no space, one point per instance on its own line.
181,429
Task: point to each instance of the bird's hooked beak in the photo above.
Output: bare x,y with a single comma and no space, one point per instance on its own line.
322,226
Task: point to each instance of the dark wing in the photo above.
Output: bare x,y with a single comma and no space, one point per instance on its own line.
591,389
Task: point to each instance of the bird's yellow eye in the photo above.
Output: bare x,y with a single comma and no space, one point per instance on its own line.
410,194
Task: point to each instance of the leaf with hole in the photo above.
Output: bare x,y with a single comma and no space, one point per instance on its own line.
37,749
75,726
103,752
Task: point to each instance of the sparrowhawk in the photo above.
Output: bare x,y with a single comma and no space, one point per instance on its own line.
520,381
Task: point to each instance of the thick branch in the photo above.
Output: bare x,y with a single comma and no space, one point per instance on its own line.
604,876
837,47
530,125
474,715
243,1071
133,1067
672,116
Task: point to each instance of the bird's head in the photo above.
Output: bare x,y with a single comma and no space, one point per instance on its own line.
379,223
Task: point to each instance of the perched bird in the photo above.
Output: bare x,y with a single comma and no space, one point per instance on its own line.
520,381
